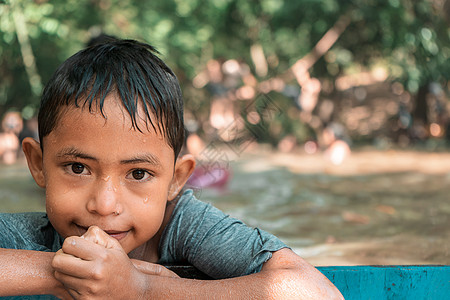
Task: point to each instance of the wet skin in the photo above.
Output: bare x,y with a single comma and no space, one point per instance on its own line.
107,188
103,172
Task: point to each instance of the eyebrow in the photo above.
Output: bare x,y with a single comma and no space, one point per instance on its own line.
140,158
73,152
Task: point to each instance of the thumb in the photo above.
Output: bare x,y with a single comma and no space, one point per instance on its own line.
153,269
98,236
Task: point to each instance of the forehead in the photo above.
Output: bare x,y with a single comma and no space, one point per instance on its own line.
112,127
113,108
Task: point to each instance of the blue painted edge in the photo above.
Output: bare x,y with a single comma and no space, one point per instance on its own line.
370,282
391,282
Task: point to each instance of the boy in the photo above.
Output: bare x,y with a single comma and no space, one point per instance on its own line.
111,130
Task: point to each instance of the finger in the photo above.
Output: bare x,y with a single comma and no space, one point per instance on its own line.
73,294
152,269
82,248
63,292
98,236
71,284
72,266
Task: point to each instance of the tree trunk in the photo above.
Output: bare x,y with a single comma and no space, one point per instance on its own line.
420,111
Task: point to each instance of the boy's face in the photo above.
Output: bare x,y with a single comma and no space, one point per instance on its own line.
102,172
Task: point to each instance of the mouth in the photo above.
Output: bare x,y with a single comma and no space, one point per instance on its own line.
118,235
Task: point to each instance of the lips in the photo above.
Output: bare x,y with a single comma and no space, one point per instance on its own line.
118,235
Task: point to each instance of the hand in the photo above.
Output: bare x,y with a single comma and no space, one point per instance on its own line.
96,266
153,269
99,237
96,235
61,293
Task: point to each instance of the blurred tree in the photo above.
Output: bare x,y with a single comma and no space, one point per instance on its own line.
410,37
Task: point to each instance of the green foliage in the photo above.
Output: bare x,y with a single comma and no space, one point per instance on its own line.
410,36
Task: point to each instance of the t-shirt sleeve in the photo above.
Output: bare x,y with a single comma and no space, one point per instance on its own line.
28,231
213,242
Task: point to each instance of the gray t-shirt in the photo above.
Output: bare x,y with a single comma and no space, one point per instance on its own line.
197,234
215,243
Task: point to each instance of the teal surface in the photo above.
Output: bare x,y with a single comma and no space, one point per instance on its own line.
365,282
391,282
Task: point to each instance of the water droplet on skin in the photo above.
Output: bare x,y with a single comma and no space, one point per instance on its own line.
145,199
106,178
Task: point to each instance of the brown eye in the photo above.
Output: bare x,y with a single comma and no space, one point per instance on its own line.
77,168
138,174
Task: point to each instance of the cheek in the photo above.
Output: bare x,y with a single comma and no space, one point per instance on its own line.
148,217
58,217
148,214
61,206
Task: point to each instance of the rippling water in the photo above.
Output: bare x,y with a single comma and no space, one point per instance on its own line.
378,209
375,209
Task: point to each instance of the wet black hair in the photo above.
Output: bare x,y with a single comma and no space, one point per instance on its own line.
129,69
100,39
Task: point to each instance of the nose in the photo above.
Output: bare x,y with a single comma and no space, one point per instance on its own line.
104,198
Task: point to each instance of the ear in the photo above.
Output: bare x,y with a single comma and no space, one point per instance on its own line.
183,169
33,153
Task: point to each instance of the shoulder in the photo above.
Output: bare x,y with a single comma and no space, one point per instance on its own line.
188,206
24,215
190,220
23,221
209,239
30,230
195,218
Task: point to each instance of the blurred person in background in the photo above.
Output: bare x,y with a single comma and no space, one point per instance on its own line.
12,125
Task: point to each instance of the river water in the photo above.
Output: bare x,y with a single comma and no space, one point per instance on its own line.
376,208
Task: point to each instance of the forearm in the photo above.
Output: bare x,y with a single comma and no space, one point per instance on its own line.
284,276
26,272
276,284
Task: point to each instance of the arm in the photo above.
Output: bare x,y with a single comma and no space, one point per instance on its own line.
26,272
29,272
96,266
284,276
